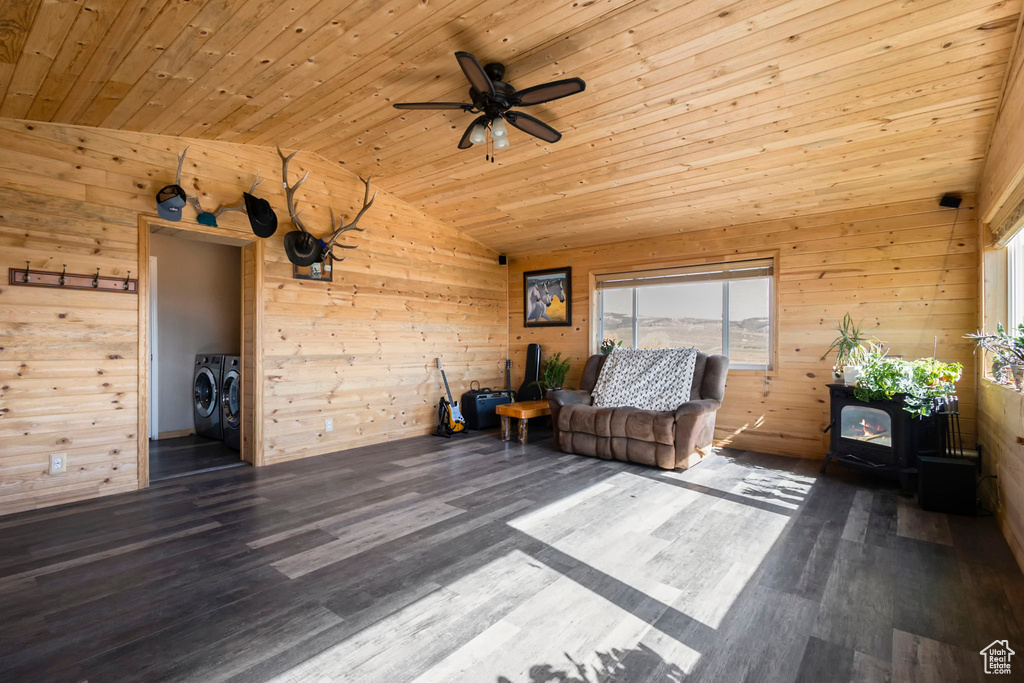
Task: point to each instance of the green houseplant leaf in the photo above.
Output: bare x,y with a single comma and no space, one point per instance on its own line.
922,382
1007,348
850,338
553,373
609,345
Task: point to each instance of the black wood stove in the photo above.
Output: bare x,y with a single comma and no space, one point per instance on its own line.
880,436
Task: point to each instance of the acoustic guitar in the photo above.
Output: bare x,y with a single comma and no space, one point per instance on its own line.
449,416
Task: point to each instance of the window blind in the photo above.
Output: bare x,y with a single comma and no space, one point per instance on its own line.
1015,279
1005,228
706,272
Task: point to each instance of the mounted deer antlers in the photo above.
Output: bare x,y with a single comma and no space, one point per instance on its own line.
290,191
235,207
194,200
330,242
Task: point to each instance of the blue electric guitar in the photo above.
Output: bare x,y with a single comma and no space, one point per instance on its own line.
449,417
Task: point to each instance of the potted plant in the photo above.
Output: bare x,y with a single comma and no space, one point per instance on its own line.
860,356
1007,349
924,383
849,339
609,345
553,373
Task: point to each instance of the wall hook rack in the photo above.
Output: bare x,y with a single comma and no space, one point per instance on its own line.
26,277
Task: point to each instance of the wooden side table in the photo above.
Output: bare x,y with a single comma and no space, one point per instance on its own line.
522,411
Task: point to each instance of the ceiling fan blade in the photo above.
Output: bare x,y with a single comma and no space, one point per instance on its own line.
475,73
464,143
433,105
534,127
555,90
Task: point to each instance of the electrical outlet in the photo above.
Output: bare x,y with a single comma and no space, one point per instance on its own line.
329,424
58,463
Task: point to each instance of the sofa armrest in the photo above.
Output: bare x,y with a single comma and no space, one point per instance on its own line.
699,407
563,397
695,430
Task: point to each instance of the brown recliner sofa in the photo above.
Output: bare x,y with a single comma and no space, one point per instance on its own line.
667,439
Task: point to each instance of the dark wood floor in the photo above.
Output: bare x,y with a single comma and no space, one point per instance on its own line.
473,560
169,458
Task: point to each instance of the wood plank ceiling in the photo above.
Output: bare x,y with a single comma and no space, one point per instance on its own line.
697,114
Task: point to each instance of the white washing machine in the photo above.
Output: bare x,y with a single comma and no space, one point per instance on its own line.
206,408
231,401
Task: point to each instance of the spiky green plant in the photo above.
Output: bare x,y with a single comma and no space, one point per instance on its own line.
850,338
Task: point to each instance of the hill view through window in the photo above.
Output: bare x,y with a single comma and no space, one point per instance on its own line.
720,310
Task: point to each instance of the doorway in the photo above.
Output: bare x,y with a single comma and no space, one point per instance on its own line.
198,355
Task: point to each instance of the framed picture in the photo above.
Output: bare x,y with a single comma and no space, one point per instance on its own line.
324,272
547,298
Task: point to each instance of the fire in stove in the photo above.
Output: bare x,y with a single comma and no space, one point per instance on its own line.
866,424
868,431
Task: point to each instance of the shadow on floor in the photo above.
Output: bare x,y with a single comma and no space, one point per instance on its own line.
635,664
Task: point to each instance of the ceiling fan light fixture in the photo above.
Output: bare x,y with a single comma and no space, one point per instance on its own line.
478,135
492,101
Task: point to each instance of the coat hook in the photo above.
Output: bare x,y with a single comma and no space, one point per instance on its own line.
25,276
96,280
125,285
62,274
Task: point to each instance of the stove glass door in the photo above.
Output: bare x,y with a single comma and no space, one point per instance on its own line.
870,425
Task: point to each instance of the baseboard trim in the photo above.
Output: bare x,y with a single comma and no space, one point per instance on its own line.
173,435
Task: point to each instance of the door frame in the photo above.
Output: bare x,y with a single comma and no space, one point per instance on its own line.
153,391
251,329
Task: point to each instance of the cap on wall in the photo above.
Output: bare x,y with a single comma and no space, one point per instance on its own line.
207,218
170,200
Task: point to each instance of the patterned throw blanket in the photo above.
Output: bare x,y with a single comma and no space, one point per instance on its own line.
650,379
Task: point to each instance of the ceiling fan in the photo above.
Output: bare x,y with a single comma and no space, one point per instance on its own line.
494,100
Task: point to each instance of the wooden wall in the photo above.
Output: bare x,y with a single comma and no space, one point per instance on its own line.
1001,185
1001,430
359,350
1000,408
362,350
252,364
905,269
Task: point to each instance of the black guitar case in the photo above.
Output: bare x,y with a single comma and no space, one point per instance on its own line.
530,391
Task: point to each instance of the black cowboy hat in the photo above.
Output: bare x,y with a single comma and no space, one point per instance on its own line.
261,216
302,248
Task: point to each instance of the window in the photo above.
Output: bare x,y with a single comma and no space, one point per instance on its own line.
719,308
1015,279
